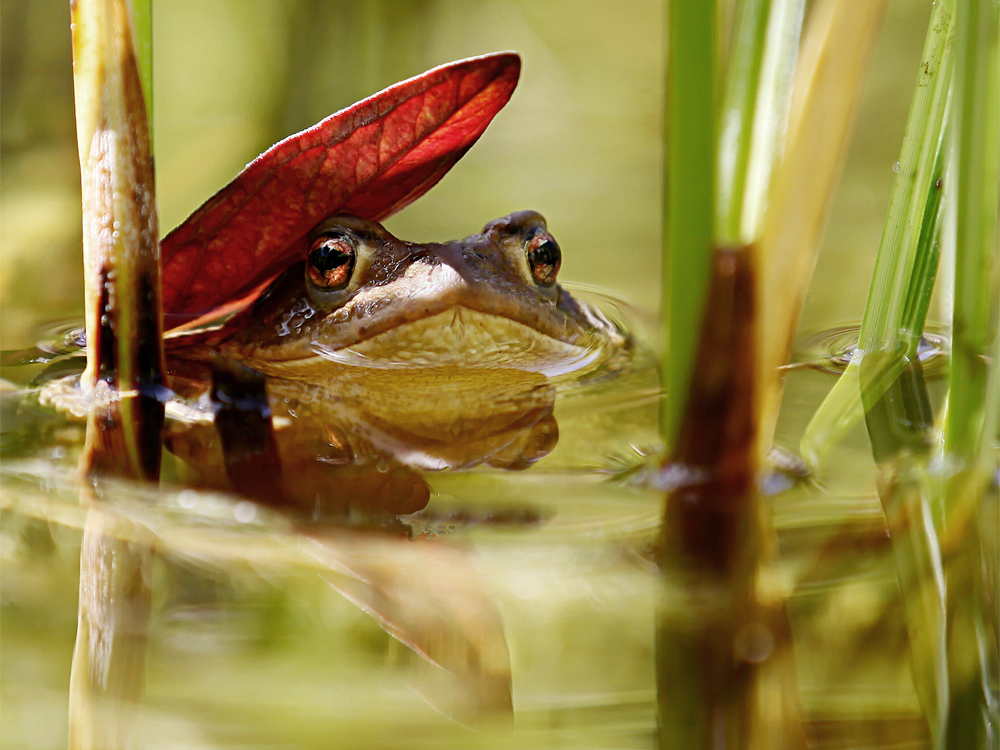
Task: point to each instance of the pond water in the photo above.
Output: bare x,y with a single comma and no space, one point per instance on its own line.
517,609
537,589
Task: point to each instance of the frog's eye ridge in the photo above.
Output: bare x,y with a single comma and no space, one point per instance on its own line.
331,261
544,258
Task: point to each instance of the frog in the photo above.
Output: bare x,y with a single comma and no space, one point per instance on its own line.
352,362
373,361
363,297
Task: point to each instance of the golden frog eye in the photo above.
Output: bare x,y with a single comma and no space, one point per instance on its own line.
544,258
331,261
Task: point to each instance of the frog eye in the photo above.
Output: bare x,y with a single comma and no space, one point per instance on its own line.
331,261
544,258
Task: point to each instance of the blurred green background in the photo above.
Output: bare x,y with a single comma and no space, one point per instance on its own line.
580,141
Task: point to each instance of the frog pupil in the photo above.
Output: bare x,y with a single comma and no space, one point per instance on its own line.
545,260
331,262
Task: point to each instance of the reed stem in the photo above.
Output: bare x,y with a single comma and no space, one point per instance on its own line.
125,367
690,152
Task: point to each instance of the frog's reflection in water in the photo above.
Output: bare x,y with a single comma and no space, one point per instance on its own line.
353,443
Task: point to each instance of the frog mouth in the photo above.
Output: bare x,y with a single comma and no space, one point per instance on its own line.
467,338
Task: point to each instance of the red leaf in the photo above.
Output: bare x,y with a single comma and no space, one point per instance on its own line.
371,160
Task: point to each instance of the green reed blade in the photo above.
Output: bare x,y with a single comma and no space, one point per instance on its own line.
689,194
971,428
880,367
754,115
894,282
976,245
906,262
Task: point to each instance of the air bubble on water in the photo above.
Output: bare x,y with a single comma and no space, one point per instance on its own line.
753,643
187,499
244,511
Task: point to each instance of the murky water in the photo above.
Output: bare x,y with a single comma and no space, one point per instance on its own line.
516,610
506,583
